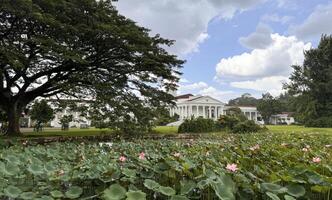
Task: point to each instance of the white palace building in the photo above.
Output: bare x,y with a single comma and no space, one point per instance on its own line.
188,106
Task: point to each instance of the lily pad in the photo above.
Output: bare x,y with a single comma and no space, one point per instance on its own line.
271,187
168,191
151,184
12,191
136,195
56,194
296,190
272,196
28,195
114,192
74,192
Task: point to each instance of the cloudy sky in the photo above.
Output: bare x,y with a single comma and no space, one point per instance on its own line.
234,46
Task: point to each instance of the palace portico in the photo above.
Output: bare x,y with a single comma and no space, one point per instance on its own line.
188,106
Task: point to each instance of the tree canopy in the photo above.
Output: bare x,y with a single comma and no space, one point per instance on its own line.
84,49
245,100
311,83
268,106
42,113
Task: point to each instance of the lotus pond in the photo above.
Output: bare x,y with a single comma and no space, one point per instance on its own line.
253,166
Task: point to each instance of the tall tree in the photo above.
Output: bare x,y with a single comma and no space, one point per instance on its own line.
81,49
268,106
42,113
311,83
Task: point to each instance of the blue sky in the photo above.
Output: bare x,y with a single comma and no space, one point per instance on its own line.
234,46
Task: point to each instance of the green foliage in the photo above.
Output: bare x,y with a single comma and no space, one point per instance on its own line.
89,50
277,168
163,117
235,121
247,126
42,113
311,84
65,120
268,106
245,100
324,122
198,125
229,121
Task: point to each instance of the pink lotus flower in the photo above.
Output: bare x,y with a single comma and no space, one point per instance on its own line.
177,155
142,156
305,149
232,167
254,147
122,158
316,159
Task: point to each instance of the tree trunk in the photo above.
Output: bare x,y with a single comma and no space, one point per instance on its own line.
14,114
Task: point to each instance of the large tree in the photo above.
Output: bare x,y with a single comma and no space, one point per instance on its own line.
268,106
80,48
311,83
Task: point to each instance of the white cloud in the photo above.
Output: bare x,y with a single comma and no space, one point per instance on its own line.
223,96
202,88
184,80
274,60
185,21
276,18
272,84
259,39
194,86
318,23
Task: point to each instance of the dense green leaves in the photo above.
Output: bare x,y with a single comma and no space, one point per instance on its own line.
114,192
74,192
311,84
87,51
267,166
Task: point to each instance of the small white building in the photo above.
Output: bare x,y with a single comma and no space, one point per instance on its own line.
283,118
188,106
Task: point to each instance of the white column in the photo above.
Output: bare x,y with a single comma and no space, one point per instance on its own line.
215,112
204,111
191,111
197,111
250,116
210,113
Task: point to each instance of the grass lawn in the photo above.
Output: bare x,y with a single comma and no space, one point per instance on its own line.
298,129
70,132
163,130
28,132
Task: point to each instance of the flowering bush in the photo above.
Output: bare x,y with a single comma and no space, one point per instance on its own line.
254,166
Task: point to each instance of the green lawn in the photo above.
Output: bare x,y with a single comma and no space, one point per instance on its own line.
164,130
298,129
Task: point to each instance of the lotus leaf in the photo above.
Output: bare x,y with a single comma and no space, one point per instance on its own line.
296,190
272,196
168,191
114,192
12,192
74,192
151,184
136,195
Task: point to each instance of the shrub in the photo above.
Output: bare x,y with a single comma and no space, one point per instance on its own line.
198,125
228,121
324,122
247,126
